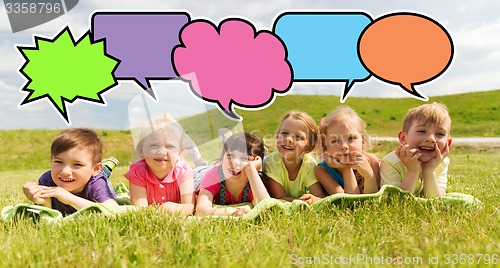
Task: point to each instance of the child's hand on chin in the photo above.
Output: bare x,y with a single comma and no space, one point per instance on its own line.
359,160
436,160
333,162
409,157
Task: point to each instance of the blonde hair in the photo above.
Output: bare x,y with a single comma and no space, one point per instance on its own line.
165,123
428,114
309,123
341,115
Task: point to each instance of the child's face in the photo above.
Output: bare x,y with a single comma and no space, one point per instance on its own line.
342,139
292,140
72,169
160,153
233,163
425,137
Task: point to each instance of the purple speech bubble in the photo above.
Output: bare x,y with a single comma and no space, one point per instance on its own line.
143,41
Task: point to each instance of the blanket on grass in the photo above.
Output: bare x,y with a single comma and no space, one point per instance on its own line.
336,201
339,201
37,213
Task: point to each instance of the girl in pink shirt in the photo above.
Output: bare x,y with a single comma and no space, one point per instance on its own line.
236,179
161,176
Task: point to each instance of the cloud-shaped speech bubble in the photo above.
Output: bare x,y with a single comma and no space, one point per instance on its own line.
143,41
233,64
63,70
322,46
406,49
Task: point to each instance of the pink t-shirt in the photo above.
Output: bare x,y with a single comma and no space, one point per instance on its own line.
159,192
211,183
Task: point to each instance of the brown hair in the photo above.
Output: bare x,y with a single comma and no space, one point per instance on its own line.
307,120
245,143
81,138
428,114
340,115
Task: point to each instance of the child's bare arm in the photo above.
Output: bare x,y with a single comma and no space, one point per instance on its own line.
317,190
431,188
350,184
409,158
277,191
316,194
372,180
64,197
186,206
32,191
326,180
204,206
259,190
138,195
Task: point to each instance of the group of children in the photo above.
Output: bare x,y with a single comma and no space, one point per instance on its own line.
243,173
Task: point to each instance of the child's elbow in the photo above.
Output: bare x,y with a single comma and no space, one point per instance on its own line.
188,209
201,211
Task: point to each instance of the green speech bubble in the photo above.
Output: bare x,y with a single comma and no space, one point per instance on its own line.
63,70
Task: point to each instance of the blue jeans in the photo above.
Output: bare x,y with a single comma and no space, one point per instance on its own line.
106,172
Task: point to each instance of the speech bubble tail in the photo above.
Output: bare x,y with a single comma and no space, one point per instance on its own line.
151,93
347,90
231,114
58,105
410,89
146,85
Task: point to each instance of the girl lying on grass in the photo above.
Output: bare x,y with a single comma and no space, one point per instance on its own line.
161,176
236,179
290,170
347,167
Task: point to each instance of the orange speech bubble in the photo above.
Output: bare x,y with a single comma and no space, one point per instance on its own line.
405,49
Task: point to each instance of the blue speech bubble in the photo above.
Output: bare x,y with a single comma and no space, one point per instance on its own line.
322,46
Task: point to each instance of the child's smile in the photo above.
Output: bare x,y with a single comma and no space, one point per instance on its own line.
72,169
234,172
343,139
67,179
425,139
292,142
162,160
233,163
289,148
160,153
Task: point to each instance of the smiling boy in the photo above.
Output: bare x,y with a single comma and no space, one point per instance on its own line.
73,181
419,164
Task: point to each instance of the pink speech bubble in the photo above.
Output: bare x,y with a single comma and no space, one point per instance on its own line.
406,49
232,65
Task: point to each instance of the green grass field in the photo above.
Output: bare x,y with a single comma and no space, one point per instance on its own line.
401,232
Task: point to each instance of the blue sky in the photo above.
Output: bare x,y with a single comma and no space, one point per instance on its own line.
473,25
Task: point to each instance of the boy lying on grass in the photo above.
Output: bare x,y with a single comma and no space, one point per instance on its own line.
419,164
74,179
